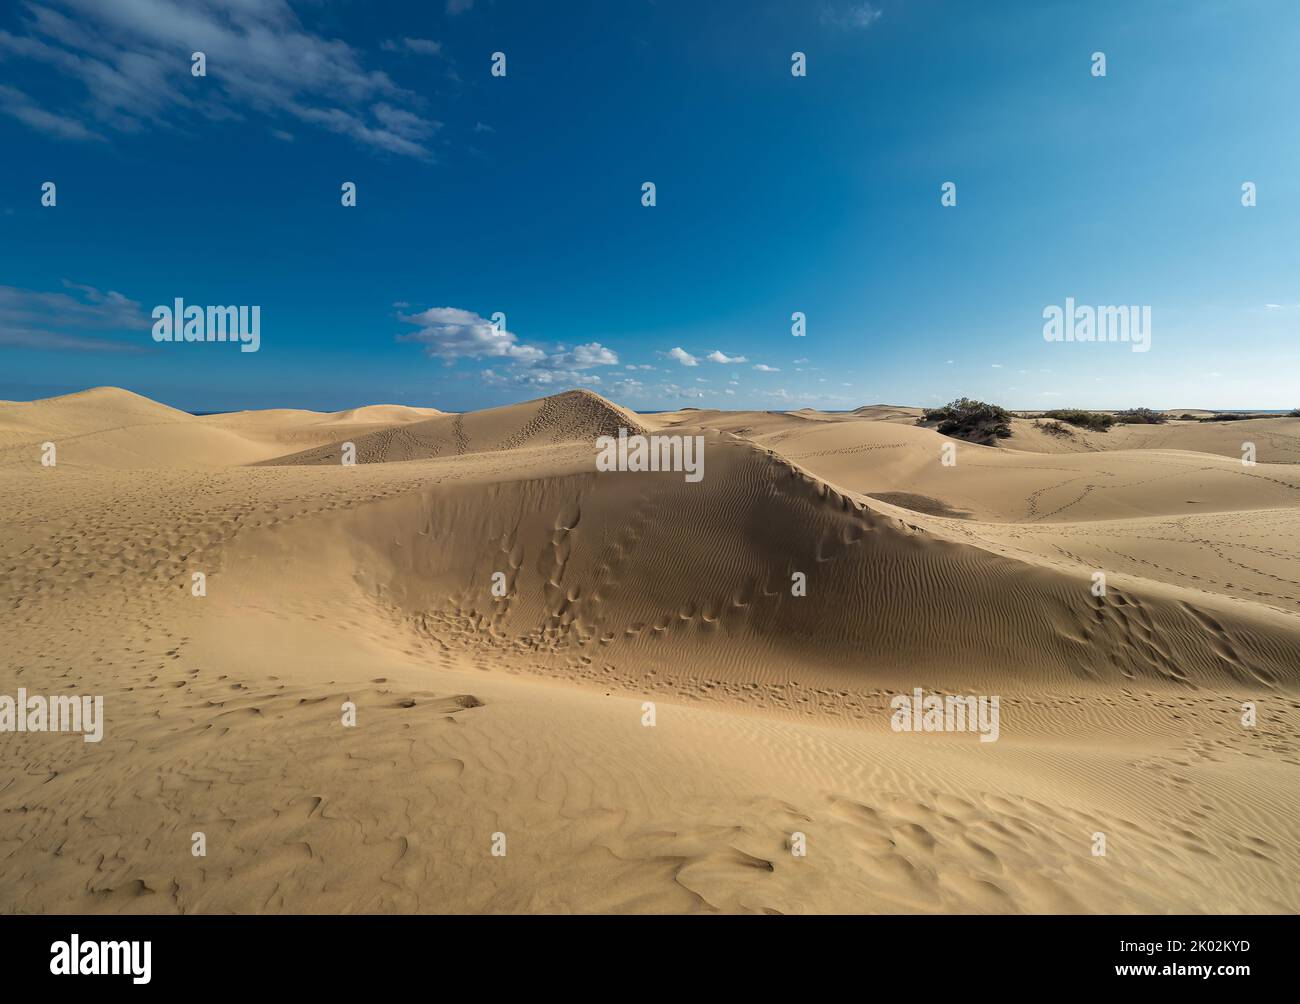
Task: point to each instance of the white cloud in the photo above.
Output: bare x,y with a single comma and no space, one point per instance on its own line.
449,333
683,357
584,357
452,334
763,368
721,357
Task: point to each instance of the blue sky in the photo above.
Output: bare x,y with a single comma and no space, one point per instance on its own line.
775,194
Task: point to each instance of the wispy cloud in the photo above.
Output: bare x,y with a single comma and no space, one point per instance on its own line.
133,60
419,46
544,378
683,357
858,15
16,104
60,321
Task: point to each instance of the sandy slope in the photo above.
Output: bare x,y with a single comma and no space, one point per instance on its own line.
572,416
522,714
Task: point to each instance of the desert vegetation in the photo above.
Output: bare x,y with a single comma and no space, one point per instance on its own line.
1141,416
1094,421
971,420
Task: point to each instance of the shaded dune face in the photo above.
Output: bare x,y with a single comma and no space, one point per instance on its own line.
644,569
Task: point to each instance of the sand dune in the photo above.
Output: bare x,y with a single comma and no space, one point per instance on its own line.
110,427
574,416
84,413
1277,440
386,414
522,714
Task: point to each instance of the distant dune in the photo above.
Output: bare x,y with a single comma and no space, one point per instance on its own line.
110,427
500,613
576,415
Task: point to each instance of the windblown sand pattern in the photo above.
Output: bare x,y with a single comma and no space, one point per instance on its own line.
522,714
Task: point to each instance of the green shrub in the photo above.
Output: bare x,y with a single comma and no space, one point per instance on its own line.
1093,420
1141,416
974,421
